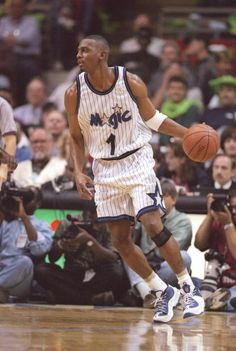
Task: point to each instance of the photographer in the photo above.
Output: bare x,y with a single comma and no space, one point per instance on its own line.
93,273
23,238
7,140
218,233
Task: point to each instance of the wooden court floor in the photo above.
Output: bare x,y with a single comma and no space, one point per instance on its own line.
71,328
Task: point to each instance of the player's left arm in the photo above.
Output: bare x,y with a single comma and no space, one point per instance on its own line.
154,119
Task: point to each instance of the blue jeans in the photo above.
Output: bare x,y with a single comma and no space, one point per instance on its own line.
16,275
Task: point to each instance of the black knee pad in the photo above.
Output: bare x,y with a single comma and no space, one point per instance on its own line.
161,238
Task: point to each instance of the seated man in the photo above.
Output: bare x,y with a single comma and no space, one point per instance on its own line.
225,114
221,178
180,226
43,166
23,237
217,233
93,272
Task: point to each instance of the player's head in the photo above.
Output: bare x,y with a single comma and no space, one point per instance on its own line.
93,50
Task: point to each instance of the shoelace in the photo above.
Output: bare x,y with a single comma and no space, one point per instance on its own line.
188,298
160,302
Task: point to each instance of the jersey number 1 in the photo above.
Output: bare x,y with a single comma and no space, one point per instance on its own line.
111,140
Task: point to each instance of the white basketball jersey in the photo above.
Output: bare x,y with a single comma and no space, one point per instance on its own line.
110,121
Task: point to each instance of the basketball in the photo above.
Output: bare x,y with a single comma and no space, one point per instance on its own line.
201,142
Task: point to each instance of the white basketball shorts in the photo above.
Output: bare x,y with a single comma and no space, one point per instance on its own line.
127,188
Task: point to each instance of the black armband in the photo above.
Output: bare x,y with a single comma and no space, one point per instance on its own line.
161,238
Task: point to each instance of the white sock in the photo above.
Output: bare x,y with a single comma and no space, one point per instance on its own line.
142,288
184,278
155,283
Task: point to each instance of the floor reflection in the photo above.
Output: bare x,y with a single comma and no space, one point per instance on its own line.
87,329
206,333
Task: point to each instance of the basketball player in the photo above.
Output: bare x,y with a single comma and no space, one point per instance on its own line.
110,114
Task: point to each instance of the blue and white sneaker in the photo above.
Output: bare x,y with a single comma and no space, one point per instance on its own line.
192,300
165,302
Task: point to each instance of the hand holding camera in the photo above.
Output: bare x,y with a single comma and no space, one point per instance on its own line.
73,244
219,207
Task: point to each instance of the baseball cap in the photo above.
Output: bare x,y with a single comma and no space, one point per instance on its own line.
223,80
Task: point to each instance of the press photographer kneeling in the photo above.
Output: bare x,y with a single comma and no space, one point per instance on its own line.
23,237
217,233
93,273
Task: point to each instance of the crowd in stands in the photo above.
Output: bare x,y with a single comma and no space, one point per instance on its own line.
187,81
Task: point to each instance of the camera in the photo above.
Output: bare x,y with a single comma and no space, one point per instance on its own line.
213,272
9,191
75,227
220,200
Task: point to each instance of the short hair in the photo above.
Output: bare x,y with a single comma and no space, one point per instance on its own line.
178,79
224,155
228,133
168,188
99,39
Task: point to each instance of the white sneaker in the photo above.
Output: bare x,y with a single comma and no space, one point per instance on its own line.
165,302
193,302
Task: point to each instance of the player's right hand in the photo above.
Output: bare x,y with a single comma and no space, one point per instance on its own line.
85,186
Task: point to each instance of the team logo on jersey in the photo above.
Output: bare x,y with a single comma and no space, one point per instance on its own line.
155,195
118,116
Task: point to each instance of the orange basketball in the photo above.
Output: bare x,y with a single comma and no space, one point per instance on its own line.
201,142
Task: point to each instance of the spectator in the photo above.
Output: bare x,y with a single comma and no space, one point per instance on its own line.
23,237
185,173
225,66
43,167
222,173
179,224
65,33
30,114
54,122
217,233
7,138
132,45
93,271
66,181
224,115
21,34
23,149
177,106
57,95
228,144
141,62
228,141
170,66
204,64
